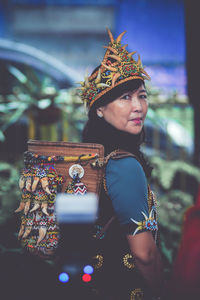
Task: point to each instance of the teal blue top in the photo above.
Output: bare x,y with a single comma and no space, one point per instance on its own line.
127,188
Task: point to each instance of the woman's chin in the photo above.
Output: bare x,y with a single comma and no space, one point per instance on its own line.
134,130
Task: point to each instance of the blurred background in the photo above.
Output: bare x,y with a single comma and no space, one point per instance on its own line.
46,47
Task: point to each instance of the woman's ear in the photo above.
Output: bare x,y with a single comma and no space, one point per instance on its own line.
99,112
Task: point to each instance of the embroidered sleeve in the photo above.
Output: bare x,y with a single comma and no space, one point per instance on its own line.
127,188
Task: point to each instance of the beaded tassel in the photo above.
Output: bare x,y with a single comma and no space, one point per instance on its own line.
39,184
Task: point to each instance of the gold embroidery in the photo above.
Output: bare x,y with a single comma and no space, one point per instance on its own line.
136,294
104,184
153,202
150,202
128,261
99,261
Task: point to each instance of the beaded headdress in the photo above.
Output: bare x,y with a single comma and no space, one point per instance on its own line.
117,67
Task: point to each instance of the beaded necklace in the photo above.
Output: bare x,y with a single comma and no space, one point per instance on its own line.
33,158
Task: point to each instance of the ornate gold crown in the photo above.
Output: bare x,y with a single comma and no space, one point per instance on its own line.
117,67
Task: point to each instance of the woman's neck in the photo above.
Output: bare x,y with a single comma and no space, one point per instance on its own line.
100,131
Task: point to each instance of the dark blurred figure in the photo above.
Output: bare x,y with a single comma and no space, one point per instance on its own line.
24,276
185,280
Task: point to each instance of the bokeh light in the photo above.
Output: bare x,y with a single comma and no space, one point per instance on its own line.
86,278
63,277
88,269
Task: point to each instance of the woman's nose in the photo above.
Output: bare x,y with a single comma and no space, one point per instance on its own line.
136,104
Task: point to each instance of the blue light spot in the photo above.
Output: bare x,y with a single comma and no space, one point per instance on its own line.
88,269
63,277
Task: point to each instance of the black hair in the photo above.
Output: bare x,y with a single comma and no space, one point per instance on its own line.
101,132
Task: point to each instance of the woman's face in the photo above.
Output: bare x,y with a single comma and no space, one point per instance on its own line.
127,112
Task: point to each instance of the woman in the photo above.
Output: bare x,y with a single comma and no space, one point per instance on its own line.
127,261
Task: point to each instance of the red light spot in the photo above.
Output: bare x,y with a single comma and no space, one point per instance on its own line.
86,278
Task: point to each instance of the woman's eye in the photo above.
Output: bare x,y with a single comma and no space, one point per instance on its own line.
144,96
125,97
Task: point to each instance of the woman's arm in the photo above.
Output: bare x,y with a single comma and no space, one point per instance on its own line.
148,260
127,188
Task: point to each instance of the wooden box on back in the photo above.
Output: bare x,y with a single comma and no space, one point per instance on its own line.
92,176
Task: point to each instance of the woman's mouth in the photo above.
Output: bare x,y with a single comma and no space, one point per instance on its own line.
137,121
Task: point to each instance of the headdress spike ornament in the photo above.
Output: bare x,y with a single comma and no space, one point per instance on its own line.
110,35
115,77
116,68
139,63
111,49
80,82
109,68
124,47
115,57
131,53
86,78
146,78
80,88
98,79
118,39
145,73
102,85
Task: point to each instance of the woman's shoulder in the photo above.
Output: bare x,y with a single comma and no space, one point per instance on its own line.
126,185
127,164
125,172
